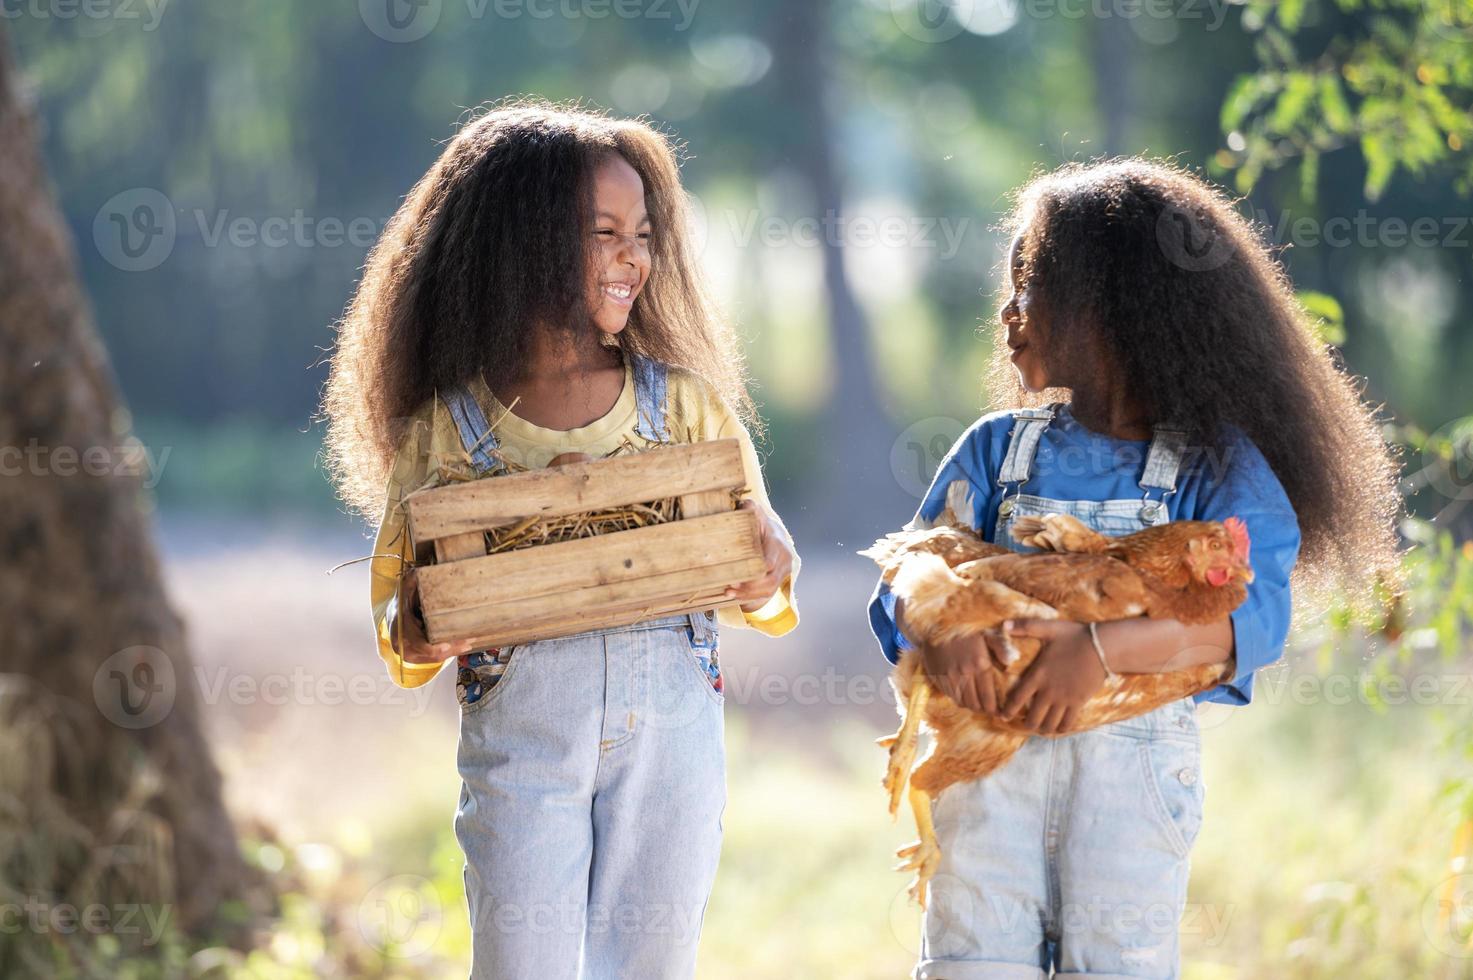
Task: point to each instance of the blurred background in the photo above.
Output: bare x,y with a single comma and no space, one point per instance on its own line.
222,170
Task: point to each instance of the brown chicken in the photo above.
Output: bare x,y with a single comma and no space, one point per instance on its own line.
954,584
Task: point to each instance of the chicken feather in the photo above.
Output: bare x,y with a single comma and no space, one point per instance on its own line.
954,584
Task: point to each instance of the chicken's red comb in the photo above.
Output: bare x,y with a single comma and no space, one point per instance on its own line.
1238,531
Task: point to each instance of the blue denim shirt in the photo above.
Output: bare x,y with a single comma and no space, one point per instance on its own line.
1074,463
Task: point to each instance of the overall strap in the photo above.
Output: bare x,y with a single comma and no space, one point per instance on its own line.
651,387
651,383
703,635
475,433
1163,465
1028,428
1164,459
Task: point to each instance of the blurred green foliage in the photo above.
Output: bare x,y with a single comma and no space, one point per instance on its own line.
283,136
1393,76
307,121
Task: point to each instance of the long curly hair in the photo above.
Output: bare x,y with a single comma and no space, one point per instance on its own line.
1201,322
490,246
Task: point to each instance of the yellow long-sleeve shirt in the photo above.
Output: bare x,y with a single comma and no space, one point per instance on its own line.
696,412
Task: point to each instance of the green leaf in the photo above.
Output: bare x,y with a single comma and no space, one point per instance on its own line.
1333,106
1248,175
1328,316
1245,95
1277,46
1380,163
1448,116
1293,105
1309,173
1290,13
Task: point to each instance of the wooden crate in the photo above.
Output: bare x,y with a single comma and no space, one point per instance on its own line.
568,587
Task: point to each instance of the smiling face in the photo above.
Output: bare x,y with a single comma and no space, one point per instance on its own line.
620,254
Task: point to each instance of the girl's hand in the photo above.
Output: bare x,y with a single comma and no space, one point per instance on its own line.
961,669
1066,673
406,628
779,556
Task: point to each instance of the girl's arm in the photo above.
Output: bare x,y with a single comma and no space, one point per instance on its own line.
1150,646
958,484
1140,646
1067,671
391,559
961,669
768,606
391,549
1242,484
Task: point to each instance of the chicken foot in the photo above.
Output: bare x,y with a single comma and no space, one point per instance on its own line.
1058,532
902,744
924,855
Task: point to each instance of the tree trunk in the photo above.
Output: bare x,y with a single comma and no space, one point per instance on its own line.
1110,43
852,452
104,767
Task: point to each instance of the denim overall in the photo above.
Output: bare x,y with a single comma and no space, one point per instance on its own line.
1074,857
593,776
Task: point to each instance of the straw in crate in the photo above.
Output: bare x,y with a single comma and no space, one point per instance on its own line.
548,553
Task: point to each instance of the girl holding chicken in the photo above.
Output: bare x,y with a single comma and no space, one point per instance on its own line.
1158,368
535,300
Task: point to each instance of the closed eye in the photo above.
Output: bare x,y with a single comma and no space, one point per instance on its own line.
608,233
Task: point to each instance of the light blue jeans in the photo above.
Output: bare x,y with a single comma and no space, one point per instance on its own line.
594,776
1073,857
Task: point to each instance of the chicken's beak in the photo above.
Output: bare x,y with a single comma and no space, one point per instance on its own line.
1245,572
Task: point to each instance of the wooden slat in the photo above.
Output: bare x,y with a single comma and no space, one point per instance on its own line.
668,471
623,602
512,634
459,546
601,592
707,502
614,595
679,547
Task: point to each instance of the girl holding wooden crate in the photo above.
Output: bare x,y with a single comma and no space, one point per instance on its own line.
536,300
